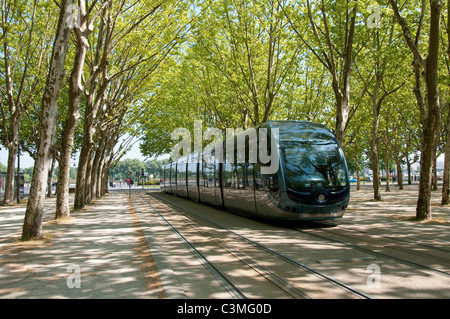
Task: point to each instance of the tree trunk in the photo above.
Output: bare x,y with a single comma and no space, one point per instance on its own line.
374,141
408,165
105,175
98,183
342,113
88,188
94,98
70,126
446,181
358,182
95,168
434,185
433,118
423,209
86,151
388,171
62,188
80,191
32,226
375,169
10,174
50,176
399,173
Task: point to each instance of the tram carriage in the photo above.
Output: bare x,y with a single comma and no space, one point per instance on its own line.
311,182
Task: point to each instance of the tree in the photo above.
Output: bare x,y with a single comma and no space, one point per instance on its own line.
431,114
381,64
124,65
446,179
330,37
82,30
25,44
32,226
246,42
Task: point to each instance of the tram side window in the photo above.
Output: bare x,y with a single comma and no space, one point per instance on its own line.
267,151
240,176
181,173
209,175
165,175
248,173
191,173
227,174
258,180
172,174
204,175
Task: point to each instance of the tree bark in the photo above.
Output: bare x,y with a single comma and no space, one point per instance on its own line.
340,80
431,113
374,151
70,126
95,168
10,173
50,177
87,185
32,226
433,118
446,179
94,98
434,185
388,171
399,173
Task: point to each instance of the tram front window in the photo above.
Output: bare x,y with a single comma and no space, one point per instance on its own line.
312,164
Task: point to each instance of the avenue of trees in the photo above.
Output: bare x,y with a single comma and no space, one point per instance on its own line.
88,77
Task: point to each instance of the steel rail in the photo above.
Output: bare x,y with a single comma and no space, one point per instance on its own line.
215,271
280,255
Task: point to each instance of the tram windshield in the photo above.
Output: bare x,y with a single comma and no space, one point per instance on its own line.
313,161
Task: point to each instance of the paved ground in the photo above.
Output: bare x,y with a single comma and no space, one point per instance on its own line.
103,243
101,251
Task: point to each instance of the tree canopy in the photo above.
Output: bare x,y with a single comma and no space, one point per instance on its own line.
88,77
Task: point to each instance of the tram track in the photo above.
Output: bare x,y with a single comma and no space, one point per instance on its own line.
228,283
268,274
351,236
367,228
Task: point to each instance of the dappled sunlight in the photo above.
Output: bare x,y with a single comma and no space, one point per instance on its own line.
370,233
106,254
103,241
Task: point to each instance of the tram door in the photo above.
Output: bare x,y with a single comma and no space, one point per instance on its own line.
238,187
247,191
209,183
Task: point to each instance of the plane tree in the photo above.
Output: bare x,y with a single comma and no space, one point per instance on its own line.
430,108
25,46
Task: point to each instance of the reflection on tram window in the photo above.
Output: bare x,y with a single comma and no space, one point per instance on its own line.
309,165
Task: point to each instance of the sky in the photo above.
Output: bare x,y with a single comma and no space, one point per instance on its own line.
26,161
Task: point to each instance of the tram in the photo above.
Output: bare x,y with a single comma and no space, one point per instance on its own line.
310,182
